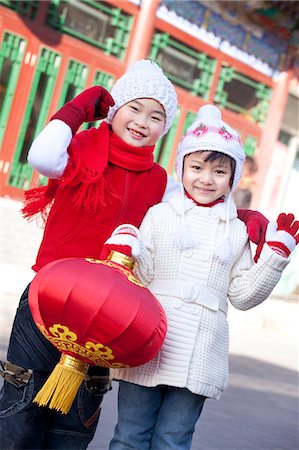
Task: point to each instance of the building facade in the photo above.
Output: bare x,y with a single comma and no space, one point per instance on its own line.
214,52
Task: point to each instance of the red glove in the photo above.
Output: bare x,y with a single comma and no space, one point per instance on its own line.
256,225
124,239
92,104
283,236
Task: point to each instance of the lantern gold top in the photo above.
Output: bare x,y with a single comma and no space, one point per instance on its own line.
120,258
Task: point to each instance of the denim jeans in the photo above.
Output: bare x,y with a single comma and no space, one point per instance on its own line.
156,418
25,425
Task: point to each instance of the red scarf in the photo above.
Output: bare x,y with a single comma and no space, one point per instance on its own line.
90,152
128,156
219,200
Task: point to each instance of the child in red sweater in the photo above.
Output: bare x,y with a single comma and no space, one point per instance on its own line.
98,179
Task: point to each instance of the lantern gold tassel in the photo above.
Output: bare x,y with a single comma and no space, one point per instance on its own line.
62,386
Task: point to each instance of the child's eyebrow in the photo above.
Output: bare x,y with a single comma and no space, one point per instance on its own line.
216,162
195,160
162,113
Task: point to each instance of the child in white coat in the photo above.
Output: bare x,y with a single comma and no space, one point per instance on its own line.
195,254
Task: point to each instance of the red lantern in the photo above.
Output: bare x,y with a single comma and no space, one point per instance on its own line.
96,313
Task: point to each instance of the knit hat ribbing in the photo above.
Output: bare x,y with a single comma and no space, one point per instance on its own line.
145,79
209,132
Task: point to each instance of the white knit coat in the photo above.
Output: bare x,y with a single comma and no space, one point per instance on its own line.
193,286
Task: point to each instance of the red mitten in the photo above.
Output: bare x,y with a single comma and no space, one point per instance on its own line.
260,245
256,225
92,104
255,222
283,235
124,239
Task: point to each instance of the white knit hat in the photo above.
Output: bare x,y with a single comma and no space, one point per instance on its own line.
145,79
209,132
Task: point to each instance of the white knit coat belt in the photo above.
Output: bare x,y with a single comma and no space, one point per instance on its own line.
190,293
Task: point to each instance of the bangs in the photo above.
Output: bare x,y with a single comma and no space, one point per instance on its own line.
223,159
218,156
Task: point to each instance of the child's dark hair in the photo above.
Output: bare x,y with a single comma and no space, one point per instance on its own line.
221,157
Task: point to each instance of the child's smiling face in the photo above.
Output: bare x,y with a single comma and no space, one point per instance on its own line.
206,181
140,122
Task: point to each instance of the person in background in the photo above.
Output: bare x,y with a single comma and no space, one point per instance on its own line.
193,253
244,191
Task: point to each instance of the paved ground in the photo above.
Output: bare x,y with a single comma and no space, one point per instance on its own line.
259,410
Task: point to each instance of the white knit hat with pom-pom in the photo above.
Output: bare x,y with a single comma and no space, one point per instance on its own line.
145,79
209,132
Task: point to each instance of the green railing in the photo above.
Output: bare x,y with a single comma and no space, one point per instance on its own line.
35,115
11,56
74,81
250,145
24,8
101,79
97,23
185,66
243,95
164,146
191,116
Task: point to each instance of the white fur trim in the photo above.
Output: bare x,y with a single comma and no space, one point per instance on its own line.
271,230
284,237
126,227
122,236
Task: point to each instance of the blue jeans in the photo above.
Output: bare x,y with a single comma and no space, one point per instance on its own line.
23,424
156,418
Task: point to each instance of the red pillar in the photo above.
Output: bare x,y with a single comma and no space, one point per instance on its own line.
141,38
269,137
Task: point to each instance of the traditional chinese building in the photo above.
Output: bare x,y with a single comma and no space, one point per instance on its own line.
238,55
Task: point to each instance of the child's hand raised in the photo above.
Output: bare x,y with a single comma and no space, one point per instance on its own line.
283,235
124,239
256,225
92,104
